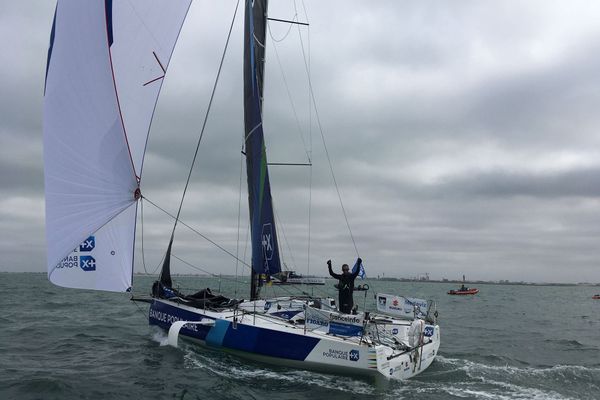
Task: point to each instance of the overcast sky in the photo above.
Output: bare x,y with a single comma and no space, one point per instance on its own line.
464,136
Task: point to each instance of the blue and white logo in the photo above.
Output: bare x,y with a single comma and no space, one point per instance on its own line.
88,244
395,331
267,305
87,263
428,331
267,241
354,355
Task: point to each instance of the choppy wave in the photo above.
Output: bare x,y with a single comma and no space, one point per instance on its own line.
71,344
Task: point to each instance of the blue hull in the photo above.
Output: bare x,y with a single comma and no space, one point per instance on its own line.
242,337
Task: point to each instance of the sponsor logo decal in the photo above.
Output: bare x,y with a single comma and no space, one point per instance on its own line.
345,318
354,355
317,321
395,331
428,331
416,302
267,305
382,301
167,318
84,261
87,263
88,244
334,353
267,241
69,262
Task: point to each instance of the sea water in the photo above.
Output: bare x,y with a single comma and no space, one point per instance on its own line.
507,342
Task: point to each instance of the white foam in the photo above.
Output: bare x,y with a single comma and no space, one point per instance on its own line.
507,389
160,337
231,369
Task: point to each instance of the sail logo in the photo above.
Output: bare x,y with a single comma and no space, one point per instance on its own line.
76,259
88,244
428,331
87,263
267,241
354,355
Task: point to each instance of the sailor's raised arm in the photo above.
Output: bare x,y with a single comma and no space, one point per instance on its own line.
333,274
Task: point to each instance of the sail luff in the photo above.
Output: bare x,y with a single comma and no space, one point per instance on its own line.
265,250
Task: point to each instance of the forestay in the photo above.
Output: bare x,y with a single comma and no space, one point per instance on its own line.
106,64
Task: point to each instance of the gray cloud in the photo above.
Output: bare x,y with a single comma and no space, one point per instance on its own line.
464,139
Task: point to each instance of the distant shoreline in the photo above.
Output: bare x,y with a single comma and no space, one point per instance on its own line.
383,279
503,282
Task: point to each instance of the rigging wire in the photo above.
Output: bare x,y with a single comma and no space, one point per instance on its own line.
313,104
289,94
286,34
296,119
142,235
318,120
197,232
285,238
212,95
201,269
310,144
142,240
237,245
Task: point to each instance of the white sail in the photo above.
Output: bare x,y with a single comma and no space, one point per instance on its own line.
145,32
97,113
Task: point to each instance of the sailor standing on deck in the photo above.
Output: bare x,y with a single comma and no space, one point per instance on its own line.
345,285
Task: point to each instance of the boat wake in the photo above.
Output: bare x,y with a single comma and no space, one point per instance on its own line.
447,378
464,378
247,373
160,337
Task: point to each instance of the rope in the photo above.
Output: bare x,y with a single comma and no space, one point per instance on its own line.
197,232
286,34
142,238
318,119
307,149
287,243
142,234
201,269
212,95
237,245
310,144
289,94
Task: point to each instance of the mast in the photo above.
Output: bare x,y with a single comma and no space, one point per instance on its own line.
265,250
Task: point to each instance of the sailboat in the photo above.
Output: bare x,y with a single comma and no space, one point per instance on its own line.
106,64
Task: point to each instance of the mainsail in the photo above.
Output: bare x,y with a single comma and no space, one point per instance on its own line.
105,68
265,251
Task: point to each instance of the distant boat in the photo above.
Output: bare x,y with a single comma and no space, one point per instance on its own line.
464,290
292,278
596,297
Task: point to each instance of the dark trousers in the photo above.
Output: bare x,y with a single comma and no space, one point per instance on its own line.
346,302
